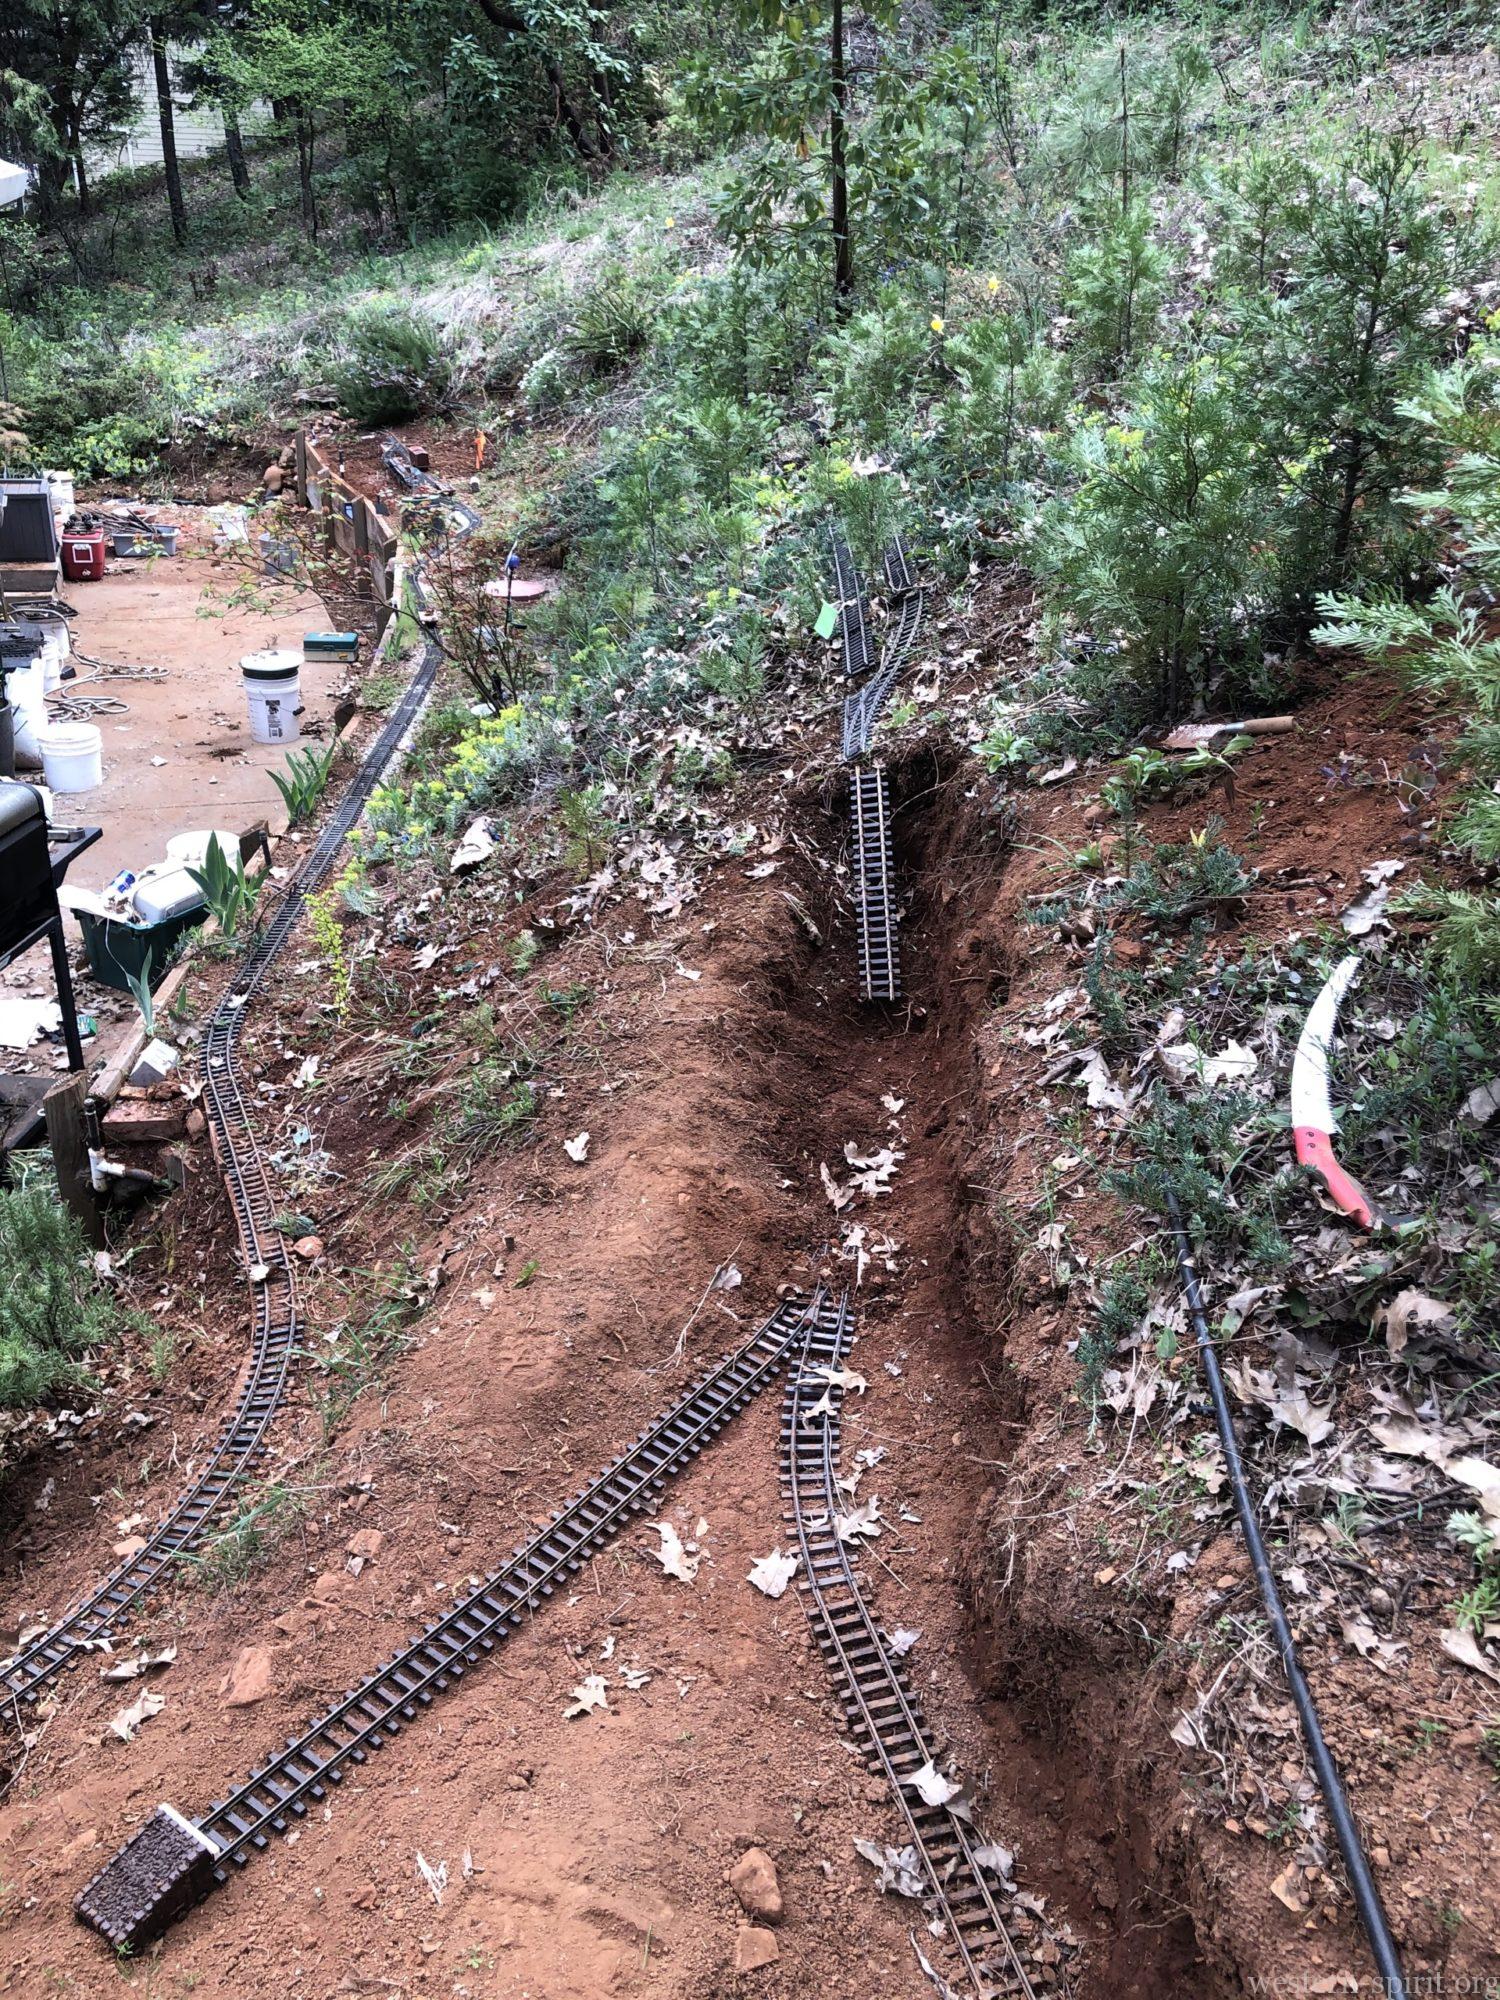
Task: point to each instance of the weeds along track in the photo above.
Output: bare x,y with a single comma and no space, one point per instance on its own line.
869,1680
242,1440
172,1862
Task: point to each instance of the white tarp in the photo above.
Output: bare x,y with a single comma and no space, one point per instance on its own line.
13,183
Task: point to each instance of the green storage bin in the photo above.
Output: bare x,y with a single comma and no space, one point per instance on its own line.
117,953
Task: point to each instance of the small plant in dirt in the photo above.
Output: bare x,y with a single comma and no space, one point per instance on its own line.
494,1110
142,994
359,1348
1201,876
227,890
304,781
52,1308
381,692
586,826
162,1357
328,935
250,1535
1145,773
523,952
1221,1154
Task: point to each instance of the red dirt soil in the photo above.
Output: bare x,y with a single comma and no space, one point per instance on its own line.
600,1846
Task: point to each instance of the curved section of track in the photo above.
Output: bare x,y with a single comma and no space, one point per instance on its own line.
275,1326
883,1712
173,1862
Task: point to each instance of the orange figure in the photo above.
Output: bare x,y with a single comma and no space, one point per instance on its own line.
480,441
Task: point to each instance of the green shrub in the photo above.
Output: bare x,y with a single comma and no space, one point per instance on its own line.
613,320
872,366
391,366
1448,646
1159,551
52,1309
1341,342
1115,281
1008,388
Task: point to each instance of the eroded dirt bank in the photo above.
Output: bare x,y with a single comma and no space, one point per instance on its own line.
719,1064
597,1847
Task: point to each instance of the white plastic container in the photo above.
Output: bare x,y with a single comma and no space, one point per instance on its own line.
274,695
167,890
72,756
190,850
27,690
61,484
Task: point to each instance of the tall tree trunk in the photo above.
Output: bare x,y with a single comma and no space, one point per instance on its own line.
304,175
838,168
234,146
80,175
567,112
168,120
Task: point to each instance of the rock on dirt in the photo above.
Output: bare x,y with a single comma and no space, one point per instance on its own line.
249,1679
754,1948
141,1122
308,1248
363,1547
753,1879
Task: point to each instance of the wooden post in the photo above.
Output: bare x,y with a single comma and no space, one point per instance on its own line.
62,1108
301,474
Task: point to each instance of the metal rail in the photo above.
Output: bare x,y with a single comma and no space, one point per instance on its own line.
862,710
871,866
899,574
883,1713
241,1441
854,614
172,1862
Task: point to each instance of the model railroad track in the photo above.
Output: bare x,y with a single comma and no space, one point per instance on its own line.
883,1713
854,611
242,1440
869,788
172,1862
874,906
863,709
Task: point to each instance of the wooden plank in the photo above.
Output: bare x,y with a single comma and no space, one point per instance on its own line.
67,1137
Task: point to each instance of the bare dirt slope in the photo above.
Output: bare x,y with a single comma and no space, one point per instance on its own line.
719,1064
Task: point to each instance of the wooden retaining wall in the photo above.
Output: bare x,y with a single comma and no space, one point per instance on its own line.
354,524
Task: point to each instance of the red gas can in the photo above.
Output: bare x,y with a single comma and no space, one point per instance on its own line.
83,556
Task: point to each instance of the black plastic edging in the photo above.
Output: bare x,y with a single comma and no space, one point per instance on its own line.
1356,1861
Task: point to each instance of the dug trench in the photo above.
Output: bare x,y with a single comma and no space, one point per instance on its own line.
728,1066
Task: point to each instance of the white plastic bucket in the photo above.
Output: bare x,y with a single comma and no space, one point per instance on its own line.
191,849
72,756
275,698
61,485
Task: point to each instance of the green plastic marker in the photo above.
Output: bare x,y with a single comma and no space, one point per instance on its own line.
828,617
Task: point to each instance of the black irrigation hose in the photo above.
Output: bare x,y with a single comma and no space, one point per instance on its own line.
1356,1861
